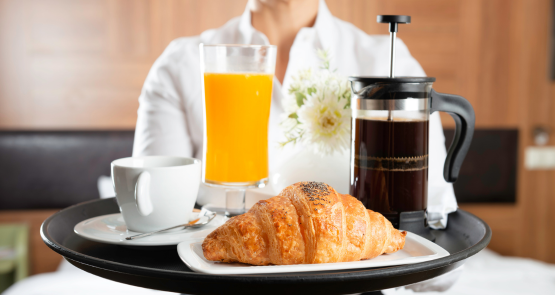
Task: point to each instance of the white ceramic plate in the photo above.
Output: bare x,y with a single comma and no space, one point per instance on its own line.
111,229
417,249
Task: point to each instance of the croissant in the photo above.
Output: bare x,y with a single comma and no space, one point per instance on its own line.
308,222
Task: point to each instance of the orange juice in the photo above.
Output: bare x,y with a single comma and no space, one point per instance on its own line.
237,116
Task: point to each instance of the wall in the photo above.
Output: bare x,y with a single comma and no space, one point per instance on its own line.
80,64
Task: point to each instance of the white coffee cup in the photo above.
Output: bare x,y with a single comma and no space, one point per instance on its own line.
156,192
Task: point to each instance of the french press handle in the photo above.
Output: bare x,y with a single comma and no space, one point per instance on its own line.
462,112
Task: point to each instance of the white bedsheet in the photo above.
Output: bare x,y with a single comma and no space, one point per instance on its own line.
69,279
488,273
485,273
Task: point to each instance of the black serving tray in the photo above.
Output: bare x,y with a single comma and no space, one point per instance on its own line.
161,268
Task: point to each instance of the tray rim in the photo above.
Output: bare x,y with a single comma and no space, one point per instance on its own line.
311,277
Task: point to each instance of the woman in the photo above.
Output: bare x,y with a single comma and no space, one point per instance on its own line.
170,112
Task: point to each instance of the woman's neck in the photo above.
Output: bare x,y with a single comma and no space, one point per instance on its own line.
280,21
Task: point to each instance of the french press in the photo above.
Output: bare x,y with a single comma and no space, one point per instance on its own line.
389,142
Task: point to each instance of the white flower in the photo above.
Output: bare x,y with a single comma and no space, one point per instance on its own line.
325,120
299,86
305,74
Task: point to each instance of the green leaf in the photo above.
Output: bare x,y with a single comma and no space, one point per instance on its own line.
300,98
311,90
293,116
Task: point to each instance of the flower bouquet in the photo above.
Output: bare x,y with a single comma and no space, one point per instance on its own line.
317,109
316,120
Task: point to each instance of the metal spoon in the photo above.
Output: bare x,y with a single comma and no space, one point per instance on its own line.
186,225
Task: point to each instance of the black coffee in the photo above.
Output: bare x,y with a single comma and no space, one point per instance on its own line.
390,165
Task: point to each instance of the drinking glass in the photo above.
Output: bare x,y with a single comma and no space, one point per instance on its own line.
237,83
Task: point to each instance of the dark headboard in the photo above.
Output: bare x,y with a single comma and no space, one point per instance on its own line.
488,174
40,170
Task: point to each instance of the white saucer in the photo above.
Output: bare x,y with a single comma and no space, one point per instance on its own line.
417,249
111,229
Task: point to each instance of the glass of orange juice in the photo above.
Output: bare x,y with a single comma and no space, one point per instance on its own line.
237,94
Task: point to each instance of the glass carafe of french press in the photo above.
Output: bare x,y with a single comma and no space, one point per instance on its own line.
390,136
